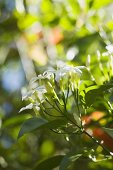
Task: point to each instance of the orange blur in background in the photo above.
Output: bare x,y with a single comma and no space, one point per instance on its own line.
98,132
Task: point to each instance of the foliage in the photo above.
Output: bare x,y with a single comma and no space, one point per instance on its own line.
61,97
33,36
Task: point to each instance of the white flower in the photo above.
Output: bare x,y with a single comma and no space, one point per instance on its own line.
110,48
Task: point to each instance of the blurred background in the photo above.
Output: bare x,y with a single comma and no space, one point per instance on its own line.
34,35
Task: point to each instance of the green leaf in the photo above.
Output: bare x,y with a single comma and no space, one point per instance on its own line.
99,4
37,123
50,163
56,123
92,95
30,125
68,160
77,118
109,131
26,21
86,75
14,121
96,92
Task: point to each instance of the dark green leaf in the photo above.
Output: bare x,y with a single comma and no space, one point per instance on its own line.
50,163
96,92
68,160
37,123
31,124
56,123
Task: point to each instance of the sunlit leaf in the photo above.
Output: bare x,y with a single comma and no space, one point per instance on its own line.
99,4
13,121
26,21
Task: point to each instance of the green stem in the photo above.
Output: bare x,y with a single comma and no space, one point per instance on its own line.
96,141
86,133
67,93
80,128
